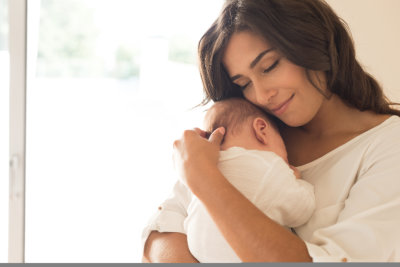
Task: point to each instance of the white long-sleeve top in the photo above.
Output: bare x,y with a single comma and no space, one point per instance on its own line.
357,193
268,182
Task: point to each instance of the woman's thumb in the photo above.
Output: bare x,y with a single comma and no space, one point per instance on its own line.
217,136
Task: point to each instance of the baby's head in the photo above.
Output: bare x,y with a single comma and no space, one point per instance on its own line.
245,125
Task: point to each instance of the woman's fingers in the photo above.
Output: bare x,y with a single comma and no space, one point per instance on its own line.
193,153
217,136
176,143
202,133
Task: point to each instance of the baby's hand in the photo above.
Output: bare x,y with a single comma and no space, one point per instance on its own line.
295,171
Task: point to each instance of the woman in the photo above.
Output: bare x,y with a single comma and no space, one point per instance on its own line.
295,60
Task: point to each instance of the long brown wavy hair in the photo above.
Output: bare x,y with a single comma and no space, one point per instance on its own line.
308,33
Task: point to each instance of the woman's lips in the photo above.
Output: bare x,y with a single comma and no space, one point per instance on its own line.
282,107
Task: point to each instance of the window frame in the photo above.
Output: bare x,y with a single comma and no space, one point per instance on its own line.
18,81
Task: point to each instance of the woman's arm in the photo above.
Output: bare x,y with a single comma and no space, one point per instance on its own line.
167,247
163,238
252,235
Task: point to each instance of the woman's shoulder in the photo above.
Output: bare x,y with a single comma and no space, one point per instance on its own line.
382,121
381,137
387,131
381,142
384,138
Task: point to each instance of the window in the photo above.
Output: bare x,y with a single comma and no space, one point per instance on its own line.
115,83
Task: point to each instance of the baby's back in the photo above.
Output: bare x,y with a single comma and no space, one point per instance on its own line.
247,171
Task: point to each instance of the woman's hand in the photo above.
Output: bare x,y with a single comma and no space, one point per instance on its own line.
194,155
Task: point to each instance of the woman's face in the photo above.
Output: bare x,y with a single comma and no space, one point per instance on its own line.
272,82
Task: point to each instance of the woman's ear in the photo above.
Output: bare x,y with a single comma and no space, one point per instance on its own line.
261,129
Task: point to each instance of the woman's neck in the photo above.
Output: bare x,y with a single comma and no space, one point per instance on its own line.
336,117
335,124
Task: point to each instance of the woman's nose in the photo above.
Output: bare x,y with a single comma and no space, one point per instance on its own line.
264,94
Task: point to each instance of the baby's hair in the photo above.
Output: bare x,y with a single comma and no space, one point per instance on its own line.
233,113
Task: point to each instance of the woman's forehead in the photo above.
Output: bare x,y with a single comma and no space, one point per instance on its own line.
243,47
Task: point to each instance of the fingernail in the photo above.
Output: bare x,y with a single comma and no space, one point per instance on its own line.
222,130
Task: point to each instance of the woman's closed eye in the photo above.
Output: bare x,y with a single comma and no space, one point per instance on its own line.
242,87
271,67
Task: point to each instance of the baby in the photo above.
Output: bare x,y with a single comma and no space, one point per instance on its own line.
253,158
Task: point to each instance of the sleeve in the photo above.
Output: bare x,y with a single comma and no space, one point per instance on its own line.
368,226
284,198
170,214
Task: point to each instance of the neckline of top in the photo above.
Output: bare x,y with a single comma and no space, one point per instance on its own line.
343,146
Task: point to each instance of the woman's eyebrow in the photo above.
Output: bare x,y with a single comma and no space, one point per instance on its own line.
254,62
259,57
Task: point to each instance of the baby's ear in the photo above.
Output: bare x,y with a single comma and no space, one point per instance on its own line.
261,129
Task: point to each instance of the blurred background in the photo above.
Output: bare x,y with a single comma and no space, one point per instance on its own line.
111,85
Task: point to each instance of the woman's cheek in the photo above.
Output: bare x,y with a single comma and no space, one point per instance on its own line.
251,97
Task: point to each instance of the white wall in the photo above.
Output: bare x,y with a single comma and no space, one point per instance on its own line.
375,26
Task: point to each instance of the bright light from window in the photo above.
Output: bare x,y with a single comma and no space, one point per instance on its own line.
115,84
